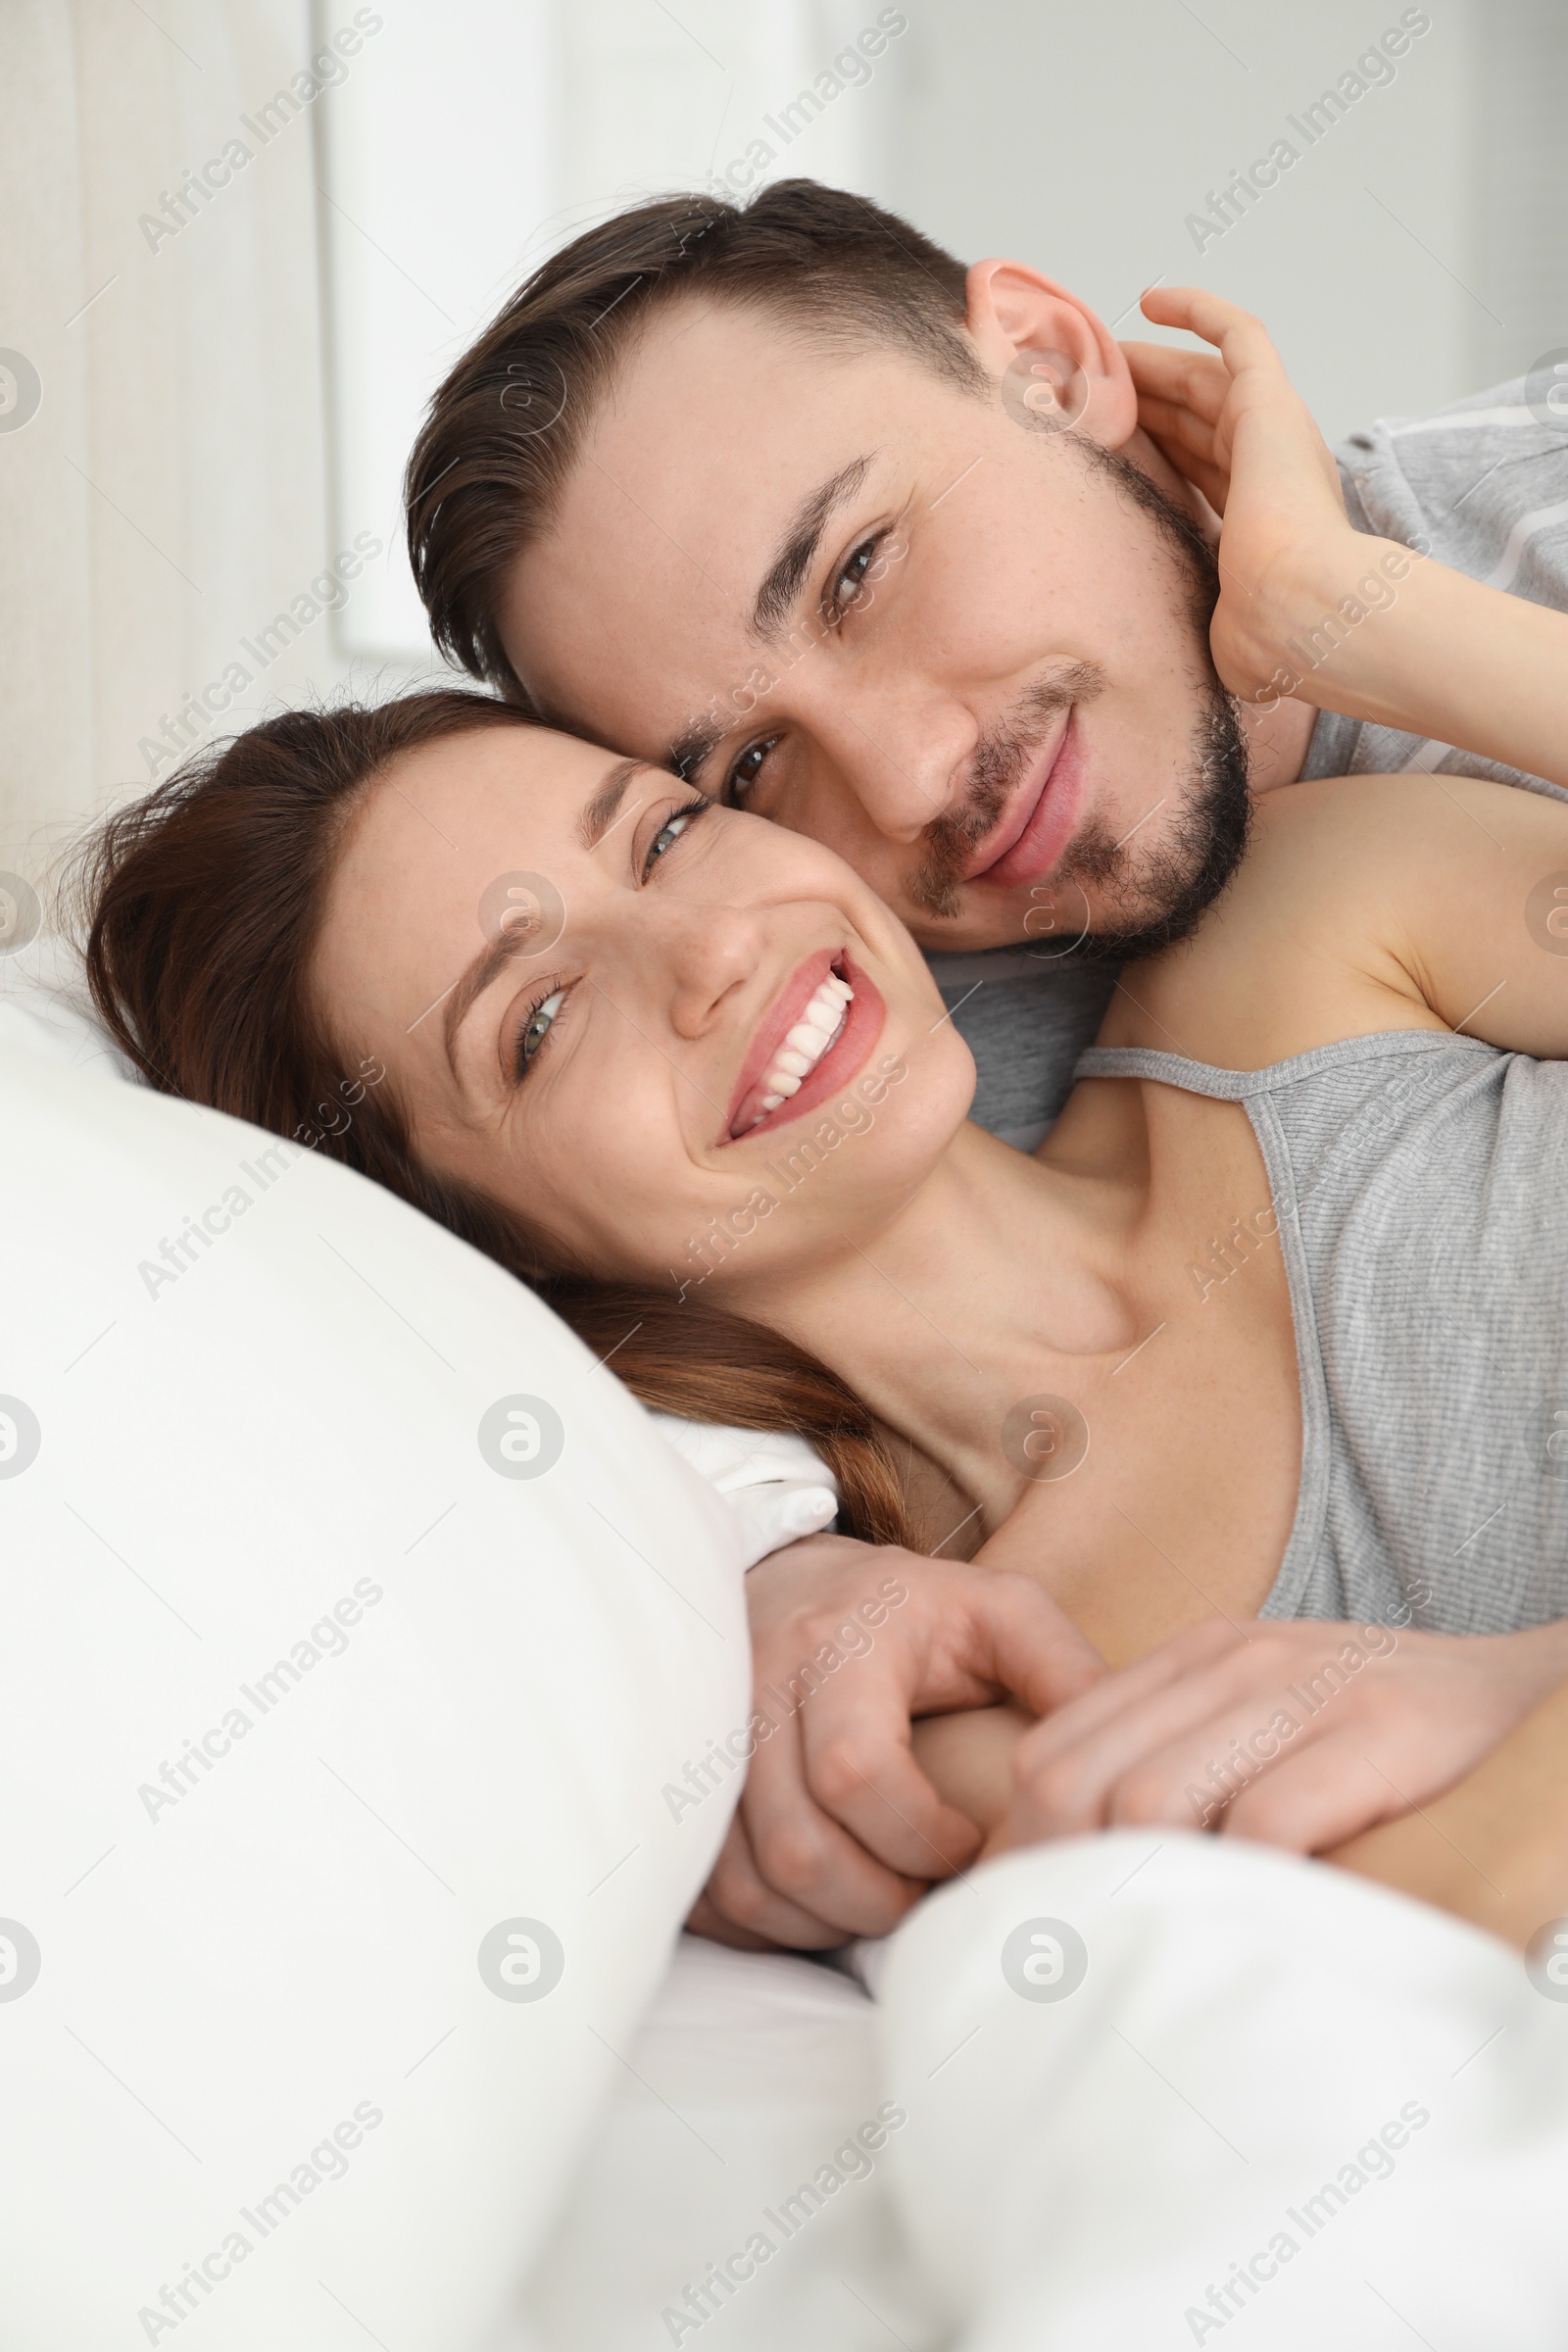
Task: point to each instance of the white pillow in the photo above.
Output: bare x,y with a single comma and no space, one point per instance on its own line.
44,1006
776,1484
316,1672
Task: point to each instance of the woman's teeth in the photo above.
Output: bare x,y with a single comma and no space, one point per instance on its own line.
805,1043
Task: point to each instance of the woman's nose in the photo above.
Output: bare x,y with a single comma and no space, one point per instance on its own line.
712,950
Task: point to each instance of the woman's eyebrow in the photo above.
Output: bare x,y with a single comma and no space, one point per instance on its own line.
595,821
600,811
467,991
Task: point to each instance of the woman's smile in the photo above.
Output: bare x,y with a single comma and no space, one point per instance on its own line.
814,1040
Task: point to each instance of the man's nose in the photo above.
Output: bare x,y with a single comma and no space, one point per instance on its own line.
900,751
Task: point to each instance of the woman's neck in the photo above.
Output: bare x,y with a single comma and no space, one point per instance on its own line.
996,1278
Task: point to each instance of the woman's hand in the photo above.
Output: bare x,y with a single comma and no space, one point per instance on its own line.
1236,430
1300,1733
839,1831
1311,607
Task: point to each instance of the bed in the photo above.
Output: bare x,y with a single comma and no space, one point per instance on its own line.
372,2017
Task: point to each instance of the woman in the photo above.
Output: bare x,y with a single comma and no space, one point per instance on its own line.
1203,1358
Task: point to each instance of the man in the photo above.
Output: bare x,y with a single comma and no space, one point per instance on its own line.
880,548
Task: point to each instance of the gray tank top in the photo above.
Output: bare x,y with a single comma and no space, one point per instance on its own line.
1419,1185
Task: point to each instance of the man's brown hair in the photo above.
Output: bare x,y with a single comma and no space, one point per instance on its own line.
504,429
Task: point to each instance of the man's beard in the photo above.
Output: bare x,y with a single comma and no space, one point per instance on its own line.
1159,891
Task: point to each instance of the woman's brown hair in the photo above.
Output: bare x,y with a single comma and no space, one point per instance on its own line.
202,904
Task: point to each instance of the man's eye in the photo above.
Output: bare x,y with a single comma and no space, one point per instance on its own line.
852,577
747,769
536,1028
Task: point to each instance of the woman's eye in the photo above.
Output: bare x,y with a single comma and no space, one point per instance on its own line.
536,1028
748,768
670,831
851,579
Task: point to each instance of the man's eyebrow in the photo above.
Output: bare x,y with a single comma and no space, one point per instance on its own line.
594,822
688,753
781,582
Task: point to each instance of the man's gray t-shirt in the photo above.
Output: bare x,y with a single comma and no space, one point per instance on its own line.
1485,484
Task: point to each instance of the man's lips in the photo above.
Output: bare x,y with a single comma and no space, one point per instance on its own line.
1030,836
843,1060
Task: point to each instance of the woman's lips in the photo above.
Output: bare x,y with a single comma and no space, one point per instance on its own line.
1034,832
845,1058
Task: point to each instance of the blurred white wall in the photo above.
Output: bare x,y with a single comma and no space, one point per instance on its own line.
1115,125
223,409
163,478
449,179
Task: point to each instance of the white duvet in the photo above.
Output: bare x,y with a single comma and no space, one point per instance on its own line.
1283,2108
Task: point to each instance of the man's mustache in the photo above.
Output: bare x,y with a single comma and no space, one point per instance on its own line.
1000,761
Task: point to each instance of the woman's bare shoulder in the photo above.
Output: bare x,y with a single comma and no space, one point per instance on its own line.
1335,813
1293,954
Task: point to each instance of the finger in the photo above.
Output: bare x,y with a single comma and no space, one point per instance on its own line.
1172,1756
864,1776
1249,1740
1190,447
1317,1798
1242,340
1124,1693
1174,425
1029,1646
1214,485
1159,1765
1193,379
703,1920
738,1894
1214,481
804,1857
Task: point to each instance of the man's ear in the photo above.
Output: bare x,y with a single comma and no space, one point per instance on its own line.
1013,312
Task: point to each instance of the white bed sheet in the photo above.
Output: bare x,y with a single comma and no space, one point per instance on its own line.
750,2072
